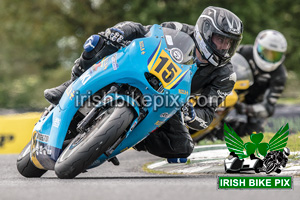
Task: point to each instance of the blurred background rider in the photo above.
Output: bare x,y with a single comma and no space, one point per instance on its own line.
266,59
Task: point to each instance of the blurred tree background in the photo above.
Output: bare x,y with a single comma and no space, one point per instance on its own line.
40,39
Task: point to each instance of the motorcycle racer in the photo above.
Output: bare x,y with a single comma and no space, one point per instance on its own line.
217,34
266,59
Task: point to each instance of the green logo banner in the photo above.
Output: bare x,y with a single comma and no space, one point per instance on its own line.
243,150
256,182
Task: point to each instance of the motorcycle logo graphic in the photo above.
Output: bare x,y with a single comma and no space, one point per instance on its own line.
275,153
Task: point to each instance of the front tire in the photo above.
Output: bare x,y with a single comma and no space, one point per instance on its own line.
87,147
25,167
270,167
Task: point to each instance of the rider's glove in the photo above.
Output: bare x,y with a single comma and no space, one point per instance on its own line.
188,112
115,34
243,108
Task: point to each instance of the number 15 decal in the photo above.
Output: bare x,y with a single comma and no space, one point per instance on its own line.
165,69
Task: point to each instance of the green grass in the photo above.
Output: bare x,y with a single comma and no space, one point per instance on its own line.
288,101
274,124
209,142
293,141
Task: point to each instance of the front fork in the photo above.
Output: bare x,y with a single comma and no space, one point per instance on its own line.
82,125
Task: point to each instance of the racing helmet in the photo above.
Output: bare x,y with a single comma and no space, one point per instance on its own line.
269,50
217,22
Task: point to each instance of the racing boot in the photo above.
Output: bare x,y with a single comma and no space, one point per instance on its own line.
53,95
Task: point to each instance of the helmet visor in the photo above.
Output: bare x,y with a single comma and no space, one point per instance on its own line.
224,46
269,55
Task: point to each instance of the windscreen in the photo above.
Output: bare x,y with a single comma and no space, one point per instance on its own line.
180,45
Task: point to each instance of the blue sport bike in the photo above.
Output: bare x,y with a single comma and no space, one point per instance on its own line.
113,106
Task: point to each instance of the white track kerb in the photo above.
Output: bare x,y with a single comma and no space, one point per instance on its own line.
209,159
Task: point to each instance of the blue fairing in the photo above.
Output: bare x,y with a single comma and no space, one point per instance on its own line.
126,66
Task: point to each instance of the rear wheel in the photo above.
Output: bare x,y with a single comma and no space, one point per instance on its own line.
87,147
26,167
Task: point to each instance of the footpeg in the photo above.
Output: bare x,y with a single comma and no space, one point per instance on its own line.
114,161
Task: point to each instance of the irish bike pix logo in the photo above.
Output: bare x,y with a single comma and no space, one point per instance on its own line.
256,155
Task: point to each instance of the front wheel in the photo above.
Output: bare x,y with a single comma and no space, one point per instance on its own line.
87,147
26,167
270,167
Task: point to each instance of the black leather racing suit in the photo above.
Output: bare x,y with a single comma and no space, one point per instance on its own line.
172,140
262,95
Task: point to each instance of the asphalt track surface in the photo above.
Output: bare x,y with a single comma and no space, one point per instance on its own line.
127,181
